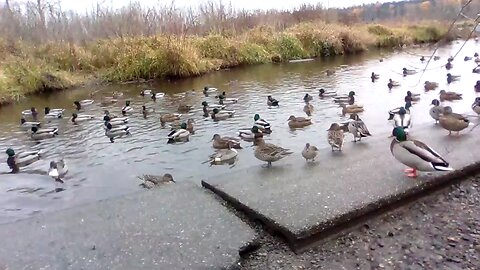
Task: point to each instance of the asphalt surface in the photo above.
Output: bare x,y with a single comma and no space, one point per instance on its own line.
178,226
441,231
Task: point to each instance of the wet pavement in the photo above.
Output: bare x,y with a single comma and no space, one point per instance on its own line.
301,200
179,226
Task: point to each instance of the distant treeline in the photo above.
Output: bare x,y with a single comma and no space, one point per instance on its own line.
40,21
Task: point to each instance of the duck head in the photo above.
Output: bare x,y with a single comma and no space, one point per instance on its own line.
127,103
292,118
402,111
144,108
168,178
409,93
47,110
351,93
443,92
449,75
354,116
77,105
205,88
34,129
447,110
183,126
74,116
106,118
333,127
391,115
10,152
22,120
33,109
215,111
256,117
435,102
322,91
399,134
255,130
215,137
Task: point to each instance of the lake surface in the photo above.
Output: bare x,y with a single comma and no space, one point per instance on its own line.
100,169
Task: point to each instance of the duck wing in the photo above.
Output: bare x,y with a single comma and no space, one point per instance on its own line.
424,152
274,151
362,128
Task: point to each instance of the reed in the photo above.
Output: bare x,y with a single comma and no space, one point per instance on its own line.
26,69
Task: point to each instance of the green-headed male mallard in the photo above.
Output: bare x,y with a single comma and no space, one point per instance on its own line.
310,152
269,152
298,122
218,115
43,133
453,121
15,161
416,154
336,137
250,134
358,128
262,124
179,135
77,119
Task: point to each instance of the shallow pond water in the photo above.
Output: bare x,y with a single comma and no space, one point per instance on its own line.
99,169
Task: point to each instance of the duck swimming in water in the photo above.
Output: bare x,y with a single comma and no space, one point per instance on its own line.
374,76
15,161
271,102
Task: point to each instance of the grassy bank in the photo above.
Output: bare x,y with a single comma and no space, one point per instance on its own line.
26,69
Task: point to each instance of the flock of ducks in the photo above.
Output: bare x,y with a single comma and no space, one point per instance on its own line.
412,153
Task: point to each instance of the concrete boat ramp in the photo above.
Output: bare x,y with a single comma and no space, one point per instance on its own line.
182,226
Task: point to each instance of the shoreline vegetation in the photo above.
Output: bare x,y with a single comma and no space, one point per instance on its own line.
43,48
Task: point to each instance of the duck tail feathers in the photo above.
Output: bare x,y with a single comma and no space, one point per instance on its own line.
442,167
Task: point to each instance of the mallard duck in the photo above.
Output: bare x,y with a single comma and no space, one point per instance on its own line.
150,181
350,98
307,98
146,92
374,76
250,134
453,121
422,59
179,135
416,154
223,156
410,97
144,111
58,170
298,122
271,102
32,112
154,95
467,58
108,100
452,78
408,71
28,125
401,117
444,95
476,70
189,126
15,161
351,109
53,113
116,132
82,103
336,137
77,119
477,86
392,84
323,94
269,152
436,58
184,108
430,85
218,115
127,109
262,124
358,128
310,152
475,54
117,121
43,133
169,117
436,110
330,72
308,109
209,90
116,94
225,142
476,105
